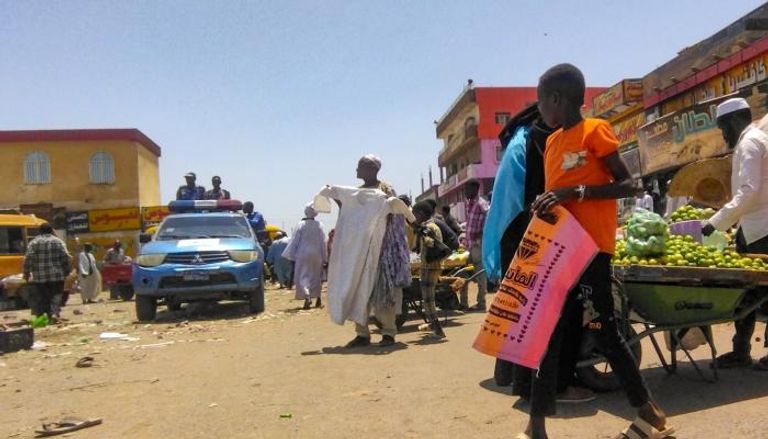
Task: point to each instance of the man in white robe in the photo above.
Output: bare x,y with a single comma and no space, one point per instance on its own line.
308,251
89,276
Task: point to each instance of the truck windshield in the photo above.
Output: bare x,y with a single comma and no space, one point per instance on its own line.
12,241
204,227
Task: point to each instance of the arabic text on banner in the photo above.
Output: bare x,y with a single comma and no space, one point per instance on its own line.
549,261
114,219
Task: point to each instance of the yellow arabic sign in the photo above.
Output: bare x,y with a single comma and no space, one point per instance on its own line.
625,92
114,219
154,214
626,129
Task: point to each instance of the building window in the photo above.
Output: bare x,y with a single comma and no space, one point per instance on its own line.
37,168
102,168
470,122
502,118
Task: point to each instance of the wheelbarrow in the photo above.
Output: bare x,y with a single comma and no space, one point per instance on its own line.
673,300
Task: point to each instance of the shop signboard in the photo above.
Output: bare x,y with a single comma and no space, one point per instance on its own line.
153,215
680,138
632,159
626,92
626,128
114,219
77,222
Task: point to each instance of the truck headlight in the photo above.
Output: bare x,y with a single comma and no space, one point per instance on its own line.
151,260
243,255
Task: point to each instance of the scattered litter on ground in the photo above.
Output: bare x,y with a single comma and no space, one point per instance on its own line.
116,336
85,362
213,404
39,345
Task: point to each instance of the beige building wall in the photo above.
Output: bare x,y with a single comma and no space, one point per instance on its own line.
70,185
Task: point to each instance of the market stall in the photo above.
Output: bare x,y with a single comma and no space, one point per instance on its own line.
670,279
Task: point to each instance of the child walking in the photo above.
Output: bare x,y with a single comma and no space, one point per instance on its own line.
584,172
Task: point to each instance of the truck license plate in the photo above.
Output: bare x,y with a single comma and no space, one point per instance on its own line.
196,276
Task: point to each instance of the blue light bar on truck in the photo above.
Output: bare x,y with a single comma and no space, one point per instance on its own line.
180,206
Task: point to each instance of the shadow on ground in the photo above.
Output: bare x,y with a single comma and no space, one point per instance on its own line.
677,394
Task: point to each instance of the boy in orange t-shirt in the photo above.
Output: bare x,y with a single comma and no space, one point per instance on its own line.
585,173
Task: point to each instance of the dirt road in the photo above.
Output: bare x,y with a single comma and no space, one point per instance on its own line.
214,371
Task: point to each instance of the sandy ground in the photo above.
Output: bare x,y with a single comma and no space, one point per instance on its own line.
214,371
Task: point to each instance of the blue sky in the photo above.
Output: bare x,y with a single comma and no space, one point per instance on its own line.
281,97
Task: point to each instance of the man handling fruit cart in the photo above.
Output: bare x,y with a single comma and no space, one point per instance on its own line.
748,207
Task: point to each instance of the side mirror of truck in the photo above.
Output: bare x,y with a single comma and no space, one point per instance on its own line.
145,238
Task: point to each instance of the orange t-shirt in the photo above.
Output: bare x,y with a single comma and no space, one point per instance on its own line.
573,157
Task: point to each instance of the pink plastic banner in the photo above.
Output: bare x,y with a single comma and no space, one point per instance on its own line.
549,261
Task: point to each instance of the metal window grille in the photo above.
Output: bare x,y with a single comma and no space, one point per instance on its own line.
37,168
102,168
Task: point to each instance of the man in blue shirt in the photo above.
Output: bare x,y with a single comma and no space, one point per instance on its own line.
190,191
257,222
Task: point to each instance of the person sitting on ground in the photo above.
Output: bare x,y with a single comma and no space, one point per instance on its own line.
217,193
428,235
584,172
190,191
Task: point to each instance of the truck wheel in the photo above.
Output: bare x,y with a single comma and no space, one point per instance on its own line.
146,308
598,377
114,292
126,292
256,299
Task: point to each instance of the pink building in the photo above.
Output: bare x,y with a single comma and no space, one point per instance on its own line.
469,130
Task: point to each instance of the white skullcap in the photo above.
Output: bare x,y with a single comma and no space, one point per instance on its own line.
373,159
732,105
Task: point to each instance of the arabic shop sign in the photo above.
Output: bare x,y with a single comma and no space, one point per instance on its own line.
681,138
114,219
626,129
153,215
77,222
626,92
735,79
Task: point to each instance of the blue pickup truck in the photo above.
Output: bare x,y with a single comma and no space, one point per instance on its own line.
199,256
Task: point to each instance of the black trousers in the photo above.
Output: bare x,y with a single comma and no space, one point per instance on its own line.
521,375
593,288
47,298
742,340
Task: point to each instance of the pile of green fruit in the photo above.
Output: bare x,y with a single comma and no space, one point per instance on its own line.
647,233
690,213
684,251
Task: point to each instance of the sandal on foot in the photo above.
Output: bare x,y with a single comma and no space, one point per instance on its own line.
522,436
66,425
641,429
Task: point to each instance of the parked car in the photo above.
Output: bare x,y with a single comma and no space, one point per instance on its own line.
209,253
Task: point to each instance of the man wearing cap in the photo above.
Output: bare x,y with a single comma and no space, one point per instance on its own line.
190,191
217,193
748,207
